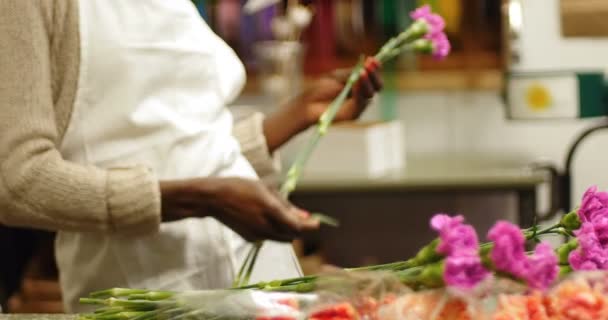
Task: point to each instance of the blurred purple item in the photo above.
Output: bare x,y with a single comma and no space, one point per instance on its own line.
264,21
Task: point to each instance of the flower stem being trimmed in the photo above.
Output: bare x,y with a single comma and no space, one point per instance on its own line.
294,173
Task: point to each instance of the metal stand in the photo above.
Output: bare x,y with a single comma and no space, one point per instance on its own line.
561,189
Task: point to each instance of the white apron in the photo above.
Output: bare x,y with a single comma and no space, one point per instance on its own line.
153,88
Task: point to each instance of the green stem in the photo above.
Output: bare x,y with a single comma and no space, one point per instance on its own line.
399,265
116,292
152,295
237,281
258,247
300,287
531,233
294,173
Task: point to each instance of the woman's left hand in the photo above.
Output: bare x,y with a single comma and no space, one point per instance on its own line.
314,101
306,109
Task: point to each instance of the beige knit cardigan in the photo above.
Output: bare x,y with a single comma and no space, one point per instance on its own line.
39,66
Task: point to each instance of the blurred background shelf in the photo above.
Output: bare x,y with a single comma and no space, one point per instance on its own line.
341,30
443,80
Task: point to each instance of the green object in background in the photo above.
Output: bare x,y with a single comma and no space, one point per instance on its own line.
388,97
433,3
556,95
393,21
592,90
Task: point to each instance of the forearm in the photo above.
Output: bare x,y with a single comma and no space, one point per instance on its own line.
182,199
284,124
196,197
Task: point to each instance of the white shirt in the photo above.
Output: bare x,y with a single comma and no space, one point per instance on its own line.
154,83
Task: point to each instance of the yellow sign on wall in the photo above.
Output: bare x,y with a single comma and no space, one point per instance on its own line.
538,97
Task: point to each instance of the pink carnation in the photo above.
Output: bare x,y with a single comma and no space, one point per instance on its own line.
543,267
459,244
441,45
436,22
508,253
464,270
436,35
454,235
590,255
594,205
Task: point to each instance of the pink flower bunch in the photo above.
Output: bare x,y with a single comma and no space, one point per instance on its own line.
508,255
436,34
592,253
459,244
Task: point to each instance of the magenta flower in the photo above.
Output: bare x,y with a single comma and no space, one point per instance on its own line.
454,235
464,270
421,13
441,45
590,255
600,227
594,205
435,22
543,267
459,244
508,253
435,34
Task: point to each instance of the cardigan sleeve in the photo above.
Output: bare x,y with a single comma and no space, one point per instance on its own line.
248,130
38,188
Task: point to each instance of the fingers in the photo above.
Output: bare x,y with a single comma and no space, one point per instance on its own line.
308,223
364,88
256,213
289,220
304,218
375,80
372,66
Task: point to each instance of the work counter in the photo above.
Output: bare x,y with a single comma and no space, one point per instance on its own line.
438,172
386,218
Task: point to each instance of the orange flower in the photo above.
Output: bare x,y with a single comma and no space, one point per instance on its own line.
521,307
578,300
455,309
423,306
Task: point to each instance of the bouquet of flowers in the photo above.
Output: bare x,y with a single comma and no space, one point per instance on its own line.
453,277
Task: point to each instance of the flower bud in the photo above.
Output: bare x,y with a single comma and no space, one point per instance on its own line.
571,221
417,30
563,252
432,275
564,271
427,254
423,46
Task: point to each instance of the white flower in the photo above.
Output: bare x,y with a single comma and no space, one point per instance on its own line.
300,16
253,6
282,28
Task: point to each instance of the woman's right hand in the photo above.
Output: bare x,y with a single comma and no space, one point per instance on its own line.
246,206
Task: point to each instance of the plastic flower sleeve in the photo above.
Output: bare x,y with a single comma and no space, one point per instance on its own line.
342,296
246,304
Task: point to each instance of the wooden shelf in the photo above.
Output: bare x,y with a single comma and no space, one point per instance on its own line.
491,79
584,18
451,80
